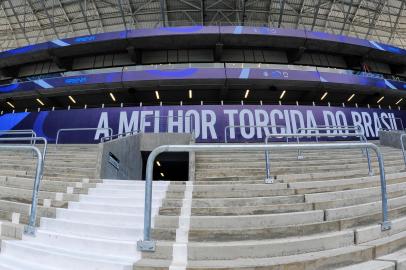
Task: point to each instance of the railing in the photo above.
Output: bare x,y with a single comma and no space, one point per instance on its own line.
31,139
357,130
227,128
30,229
330,128
147,244
392,118
402,146
297,136
109,138
19,132
80,129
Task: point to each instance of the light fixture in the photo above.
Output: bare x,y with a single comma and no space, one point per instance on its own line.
351,97
40,102
162,174
113,97
190,93
379,100
247,92
10,104
324,96
399,101
283,94
72,99
158,163
157,95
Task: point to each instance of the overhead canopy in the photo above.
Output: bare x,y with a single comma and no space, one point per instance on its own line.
24,22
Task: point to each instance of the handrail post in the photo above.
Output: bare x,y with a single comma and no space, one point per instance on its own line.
30,229
386,224
402,145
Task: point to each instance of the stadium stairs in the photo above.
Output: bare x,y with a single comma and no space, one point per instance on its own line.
323,212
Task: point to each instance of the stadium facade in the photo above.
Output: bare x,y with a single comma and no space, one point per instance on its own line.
203,79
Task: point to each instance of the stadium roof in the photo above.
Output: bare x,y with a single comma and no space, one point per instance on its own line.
25,22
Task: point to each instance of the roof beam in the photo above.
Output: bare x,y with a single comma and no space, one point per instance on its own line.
282,7
395,26
163,9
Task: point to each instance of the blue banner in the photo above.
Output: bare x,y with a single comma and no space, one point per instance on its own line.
207,122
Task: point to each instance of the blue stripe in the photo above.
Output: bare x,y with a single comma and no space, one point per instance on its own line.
390,85
377,45
60,43
43,84
238,30
245,72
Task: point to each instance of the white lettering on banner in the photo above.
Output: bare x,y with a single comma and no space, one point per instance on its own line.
175,121
287,121
261,121
272,116
310,123
377,122
231,123
245,113
357,121
103,123
384,119
145,119
366,119
124,125
192,122
208,122
156,121
395,124
329,120
296,115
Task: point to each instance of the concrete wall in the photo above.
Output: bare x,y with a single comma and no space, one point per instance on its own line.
128,151
390,138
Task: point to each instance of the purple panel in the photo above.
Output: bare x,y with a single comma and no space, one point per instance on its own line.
25,50
114,77
247,30
188,73
337,38
271,74
173,31
89,39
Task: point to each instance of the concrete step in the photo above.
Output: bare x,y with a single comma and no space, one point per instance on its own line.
269,248
64,259
89,229
85,244
15,263
107,218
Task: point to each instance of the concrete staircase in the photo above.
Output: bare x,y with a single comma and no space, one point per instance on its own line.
323,212
98,232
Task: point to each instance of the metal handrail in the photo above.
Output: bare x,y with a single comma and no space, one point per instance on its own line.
30,229
147,244
394,118
403,147
32,139
357,129
19,132
299,135
80,129
249,126
103,139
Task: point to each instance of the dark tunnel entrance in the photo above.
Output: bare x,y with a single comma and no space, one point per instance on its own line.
168,166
